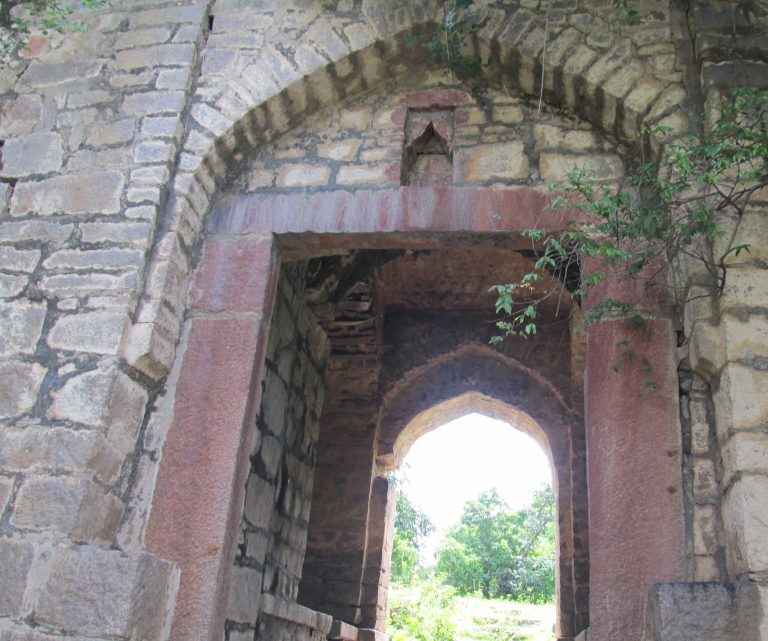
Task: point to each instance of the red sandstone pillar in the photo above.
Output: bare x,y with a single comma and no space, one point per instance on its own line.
636,521
198,499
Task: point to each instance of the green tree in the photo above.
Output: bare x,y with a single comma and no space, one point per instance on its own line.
412,526
502,553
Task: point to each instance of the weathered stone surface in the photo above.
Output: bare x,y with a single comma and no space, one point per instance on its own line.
705,537
6,487
702,611
38,153
21,324
741,400
744,452
245,594
503,161
111,133
15,562
18,260
303,176
83,397
556,167
364,173
44,74
77,507
83,284
97,332
100,592
101,259
157,55
97,192
746,531
12,285
47,448
20,116
551,136
21,383
35,230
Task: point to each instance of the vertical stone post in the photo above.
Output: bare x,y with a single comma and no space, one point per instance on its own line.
636,533
206,452
378,553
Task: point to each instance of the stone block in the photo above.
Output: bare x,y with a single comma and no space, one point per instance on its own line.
501,161
704,479
744,452
745,338
355,118
367,174
153,102
259,501
84,284
741,399
508,114
601,167
138,234
101,259
6,487
550,136
702,611
21,384
98,592
15,563
705,538
95,332
83,398
12,285
303,175
244,594
55,449
76,507
96,192
746,529
184,14
111,133
339,150
38,153
18,260
46,74
20,116
39,230
156,55
705,349
21,324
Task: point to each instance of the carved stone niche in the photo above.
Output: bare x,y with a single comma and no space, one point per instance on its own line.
428,149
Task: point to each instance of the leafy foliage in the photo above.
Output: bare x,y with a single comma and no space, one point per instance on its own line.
412,526
501,553
665,213
18,19
449,44
422,613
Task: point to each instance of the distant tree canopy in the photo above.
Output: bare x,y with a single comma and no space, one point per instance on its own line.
502,553
412,526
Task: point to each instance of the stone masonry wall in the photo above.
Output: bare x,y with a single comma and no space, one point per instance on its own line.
278,493
117,139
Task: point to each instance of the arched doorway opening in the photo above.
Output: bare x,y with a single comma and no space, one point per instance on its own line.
431,316
486,489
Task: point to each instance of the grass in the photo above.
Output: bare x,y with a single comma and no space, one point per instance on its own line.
478,619
431,612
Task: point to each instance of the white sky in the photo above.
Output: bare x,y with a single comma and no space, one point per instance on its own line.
457,461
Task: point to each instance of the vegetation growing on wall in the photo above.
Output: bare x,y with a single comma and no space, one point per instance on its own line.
670,218
20,18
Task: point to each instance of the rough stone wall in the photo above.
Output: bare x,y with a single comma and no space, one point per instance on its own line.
104,187
278,493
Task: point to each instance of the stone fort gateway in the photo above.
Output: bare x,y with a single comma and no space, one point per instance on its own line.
245,253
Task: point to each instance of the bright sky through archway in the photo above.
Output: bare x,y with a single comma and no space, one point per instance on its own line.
457,461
